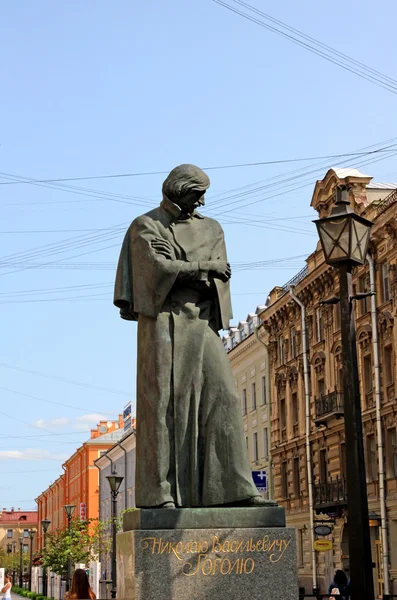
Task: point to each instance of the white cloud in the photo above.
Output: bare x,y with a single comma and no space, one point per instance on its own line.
91,418
30,454
88,421
53,423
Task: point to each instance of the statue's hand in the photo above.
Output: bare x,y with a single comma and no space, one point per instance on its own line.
164,248
220,269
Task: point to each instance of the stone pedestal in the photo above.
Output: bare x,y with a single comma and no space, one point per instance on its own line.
181,554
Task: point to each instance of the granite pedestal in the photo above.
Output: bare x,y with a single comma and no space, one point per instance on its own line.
207,553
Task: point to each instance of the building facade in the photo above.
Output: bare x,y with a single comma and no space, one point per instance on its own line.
118,460
248,357
79,483
14,527
322,451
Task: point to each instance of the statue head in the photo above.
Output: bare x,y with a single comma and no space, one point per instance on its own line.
186,186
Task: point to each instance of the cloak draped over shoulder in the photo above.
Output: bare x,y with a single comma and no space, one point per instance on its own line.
190,442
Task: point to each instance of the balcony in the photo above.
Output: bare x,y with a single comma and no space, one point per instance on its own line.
329,406
330,494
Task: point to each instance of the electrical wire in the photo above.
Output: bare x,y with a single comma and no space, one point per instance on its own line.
65,380
364,74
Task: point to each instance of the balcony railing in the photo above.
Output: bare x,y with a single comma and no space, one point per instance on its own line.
330,493
329,406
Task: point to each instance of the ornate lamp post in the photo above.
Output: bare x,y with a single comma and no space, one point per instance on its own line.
31,536
45,525
69,510
344,237
20,562
14,548
114,482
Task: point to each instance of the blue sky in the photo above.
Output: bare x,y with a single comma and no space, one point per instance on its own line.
95,88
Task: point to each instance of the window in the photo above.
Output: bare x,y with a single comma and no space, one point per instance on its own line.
293,342
283,414
265,443
25,533
385,282
391,452
244,401
242,334
367,375
263,386
371,458
9,533
364,303
320,387
253,396
251,327
388,364
255,447
281,350
299,548
25,548
319,325
246,441
342,460
297,478
337,316
284,479
295,408
323,466
339,379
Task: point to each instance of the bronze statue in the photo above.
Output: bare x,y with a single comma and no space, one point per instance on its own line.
173,278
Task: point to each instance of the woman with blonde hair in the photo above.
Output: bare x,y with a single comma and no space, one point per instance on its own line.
80,589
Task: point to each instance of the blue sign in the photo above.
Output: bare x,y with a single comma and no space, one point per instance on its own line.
260,480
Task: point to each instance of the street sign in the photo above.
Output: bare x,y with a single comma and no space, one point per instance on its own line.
322,530
260,480
83,511
322,545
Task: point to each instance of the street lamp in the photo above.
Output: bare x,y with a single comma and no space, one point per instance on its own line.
45,525
31,536
69,510
344,238
20,562
115,482
14,547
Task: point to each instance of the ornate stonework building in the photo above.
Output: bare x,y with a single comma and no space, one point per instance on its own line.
321,448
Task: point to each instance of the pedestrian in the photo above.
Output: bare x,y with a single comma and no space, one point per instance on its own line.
81,589
6,589
340,586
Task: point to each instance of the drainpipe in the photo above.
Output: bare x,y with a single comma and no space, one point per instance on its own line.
125,476
379,432
270,492
307,432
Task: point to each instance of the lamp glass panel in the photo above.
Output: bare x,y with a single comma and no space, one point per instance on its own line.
341,237
332,233
360,238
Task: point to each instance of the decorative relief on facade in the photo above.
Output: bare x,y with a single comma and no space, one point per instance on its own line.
369,427
364,336
292,376
385,324
318,362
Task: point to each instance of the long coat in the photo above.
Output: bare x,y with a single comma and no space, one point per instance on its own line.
190,441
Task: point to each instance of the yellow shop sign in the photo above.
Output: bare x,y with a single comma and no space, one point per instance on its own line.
322,545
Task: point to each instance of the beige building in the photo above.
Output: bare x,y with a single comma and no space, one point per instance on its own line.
14,529
321,453
248,357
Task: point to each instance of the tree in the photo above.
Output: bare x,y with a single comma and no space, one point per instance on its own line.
86,541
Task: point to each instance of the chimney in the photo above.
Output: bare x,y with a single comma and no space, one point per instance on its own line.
12,509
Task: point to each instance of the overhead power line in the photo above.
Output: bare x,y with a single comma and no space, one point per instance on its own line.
29,180
66,380
314,46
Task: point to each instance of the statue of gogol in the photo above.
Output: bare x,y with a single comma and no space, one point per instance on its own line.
173,278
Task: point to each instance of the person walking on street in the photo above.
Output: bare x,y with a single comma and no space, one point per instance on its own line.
6,589
340,586
81,589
